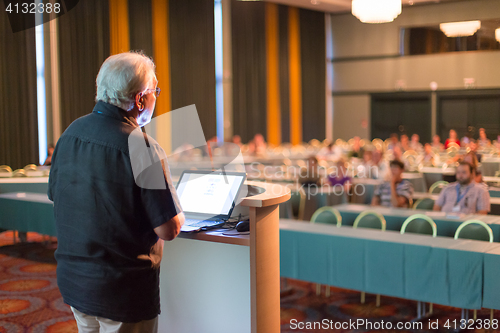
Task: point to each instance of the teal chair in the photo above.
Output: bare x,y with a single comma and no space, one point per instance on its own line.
438,186
326,215
424,203
371,220
475,230
419,224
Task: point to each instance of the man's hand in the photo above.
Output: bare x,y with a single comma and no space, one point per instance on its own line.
170,229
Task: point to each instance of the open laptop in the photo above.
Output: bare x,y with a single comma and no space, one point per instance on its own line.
208,197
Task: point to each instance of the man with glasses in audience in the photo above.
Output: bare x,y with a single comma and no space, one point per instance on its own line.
464,196
108,227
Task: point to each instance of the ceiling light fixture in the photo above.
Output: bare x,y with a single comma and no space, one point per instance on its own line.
376,11
460,29
497,35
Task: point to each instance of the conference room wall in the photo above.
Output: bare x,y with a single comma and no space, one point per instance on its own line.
351,116
366,59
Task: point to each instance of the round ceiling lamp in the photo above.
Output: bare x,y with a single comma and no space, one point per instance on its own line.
376,11
460,29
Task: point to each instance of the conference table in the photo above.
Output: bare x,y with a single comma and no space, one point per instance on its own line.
394,217
25,212
24,184
438,270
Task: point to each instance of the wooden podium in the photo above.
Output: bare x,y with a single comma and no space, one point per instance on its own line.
219,282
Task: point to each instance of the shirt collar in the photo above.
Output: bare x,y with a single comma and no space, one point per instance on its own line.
113,111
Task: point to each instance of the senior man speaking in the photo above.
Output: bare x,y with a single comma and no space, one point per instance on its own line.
106,224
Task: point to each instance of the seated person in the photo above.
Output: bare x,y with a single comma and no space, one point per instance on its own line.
397,192
465,195
340,176
310,174
436,143
415,143
452,139
429,155
356,149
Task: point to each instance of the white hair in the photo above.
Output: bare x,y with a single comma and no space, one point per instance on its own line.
122,76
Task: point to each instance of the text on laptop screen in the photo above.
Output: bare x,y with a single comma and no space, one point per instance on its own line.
208,194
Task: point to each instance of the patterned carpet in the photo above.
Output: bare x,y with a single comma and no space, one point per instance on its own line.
30,301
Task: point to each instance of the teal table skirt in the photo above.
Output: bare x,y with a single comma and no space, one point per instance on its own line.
417,267
27,212
24,185
395,217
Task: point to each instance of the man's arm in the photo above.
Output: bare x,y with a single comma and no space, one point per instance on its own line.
170,229
396,199
375,200
436,208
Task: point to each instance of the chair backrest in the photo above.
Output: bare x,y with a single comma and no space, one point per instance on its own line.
5,168
474,229
30,167
370,219
298,199
327,215
437,186
19,173
424,203
419,224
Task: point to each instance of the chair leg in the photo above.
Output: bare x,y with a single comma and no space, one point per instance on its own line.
327,291
318,289
431,308
475,315
377,302
491,315
363,297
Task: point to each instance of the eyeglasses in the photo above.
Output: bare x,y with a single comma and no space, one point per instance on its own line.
156,91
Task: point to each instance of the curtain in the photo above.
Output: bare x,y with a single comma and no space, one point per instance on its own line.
84,45
192,59
312,51
18,96
249,68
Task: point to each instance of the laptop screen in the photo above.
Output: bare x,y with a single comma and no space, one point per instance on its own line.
208,193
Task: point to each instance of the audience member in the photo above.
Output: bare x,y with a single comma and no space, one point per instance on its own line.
310,174
50,151
340,176
483,140
452,139
429,155
467,139
465,195
393,141
397,192
330,152
405,143
415,143
436,143
356,149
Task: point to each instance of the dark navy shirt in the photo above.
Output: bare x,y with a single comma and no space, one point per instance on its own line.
104,220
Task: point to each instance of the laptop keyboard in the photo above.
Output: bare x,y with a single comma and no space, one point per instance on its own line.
201,223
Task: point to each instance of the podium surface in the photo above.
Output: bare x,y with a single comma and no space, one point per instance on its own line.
220,281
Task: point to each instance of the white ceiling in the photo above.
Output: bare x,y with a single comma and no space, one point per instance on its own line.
341,6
